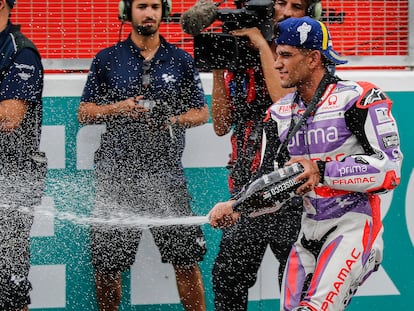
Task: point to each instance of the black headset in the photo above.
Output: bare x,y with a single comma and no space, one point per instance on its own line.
125,9
315,10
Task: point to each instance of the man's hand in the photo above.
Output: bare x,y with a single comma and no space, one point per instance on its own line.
12,112
255,36
311,174
222,215
132,108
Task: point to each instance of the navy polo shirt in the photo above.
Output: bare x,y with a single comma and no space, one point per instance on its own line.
23,80
116,74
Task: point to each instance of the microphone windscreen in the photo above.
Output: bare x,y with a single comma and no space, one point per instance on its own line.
198,17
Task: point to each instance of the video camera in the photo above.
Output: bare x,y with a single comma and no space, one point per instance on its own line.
213,50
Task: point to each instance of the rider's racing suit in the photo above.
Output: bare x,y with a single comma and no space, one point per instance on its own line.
354,139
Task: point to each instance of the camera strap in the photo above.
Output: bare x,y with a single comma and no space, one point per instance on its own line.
249,114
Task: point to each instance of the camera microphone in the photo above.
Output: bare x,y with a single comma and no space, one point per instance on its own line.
199,16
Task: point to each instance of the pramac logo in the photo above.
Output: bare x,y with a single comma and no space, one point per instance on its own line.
331,104
332,100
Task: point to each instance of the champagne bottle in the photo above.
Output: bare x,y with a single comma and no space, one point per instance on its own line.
268,193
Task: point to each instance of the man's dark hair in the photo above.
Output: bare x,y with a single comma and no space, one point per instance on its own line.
10,3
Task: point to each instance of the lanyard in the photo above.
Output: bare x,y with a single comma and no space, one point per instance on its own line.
326,80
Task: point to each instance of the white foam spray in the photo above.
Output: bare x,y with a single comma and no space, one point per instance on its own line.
121,219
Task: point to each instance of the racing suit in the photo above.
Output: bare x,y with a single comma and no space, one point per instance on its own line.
354,139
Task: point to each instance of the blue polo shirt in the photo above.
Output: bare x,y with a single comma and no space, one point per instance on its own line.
129,146
22,79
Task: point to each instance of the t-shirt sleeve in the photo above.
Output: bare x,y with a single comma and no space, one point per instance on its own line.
91,91
193,89
24,78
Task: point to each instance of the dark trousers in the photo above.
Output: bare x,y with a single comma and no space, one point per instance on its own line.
242,249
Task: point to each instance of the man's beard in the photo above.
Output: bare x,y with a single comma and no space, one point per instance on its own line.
145,30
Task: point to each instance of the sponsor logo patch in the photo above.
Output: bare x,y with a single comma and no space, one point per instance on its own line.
382,114
391,141
372,96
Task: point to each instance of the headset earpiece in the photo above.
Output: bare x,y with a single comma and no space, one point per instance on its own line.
125,7
124,10
166,8
315,10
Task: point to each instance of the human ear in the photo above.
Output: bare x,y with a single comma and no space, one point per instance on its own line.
315,58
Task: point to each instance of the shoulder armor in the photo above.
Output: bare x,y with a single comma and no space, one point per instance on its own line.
370,95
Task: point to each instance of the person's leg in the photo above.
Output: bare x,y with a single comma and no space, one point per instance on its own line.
108,290
21,189
112,251
184,247
299,268
15,286
235,269
190,287
113,248
181,246
282,231
322,249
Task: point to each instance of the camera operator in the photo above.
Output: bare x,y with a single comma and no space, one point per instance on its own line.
239,102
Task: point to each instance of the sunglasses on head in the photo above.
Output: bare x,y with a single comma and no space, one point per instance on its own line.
146,77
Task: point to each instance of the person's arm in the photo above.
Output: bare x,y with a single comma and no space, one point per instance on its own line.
89,113
222,215
267,61
377,168
21,87
311,175
220,105
12,113
191,118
